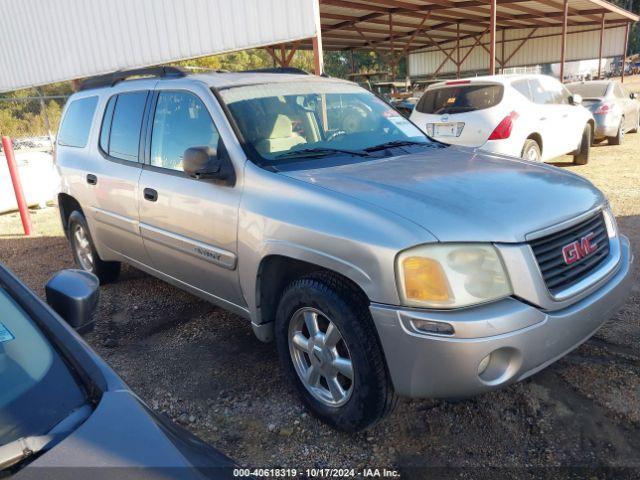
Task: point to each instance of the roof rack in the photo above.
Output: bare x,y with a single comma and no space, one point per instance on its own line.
110,79
293,70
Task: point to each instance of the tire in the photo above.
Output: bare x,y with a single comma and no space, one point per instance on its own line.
581,156
617,140
84,251
368,394
531,151
637,127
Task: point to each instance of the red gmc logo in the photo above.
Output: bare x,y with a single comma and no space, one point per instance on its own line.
579,249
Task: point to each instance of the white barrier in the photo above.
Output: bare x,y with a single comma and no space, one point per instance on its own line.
39,178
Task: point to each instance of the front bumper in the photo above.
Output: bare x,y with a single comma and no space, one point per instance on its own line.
521,339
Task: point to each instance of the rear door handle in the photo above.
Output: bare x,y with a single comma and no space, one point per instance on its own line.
150,194
92,179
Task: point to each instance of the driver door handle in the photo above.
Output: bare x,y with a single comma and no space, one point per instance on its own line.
150,194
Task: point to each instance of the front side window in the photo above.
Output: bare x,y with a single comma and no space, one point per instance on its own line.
76,125
38,390
181,121
547,91
286,121
124,139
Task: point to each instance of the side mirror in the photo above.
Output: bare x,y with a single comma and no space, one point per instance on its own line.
575,99
74,295
203,163
633,95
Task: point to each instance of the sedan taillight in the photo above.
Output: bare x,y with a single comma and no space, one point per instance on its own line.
604,108
503,130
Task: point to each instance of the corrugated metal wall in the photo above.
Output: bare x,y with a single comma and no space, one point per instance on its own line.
581,45
44,41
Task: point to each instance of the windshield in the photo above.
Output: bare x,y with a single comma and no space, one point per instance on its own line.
589,90
321,118
38,390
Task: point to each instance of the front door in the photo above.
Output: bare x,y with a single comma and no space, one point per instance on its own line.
188,226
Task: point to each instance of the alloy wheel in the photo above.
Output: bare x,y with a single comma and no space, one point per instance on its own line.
321,357
83,247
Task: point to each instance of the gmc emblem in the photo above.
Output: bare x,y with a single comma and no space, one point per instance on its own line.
579,249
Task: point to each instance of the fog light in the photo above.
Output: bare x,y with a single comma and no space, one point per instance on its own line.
427,326
484,363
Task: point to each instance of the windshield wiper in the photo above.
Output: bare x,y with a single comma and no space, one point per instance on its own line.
394,143
24,448
320,152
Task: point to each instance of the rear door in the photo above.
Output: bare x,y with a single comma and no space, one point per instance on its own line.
114,179
461,112
189,226
551,116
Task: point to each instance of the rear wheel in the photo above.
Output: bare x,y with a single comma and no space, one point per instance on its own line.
617,140
531,151
581,156
84,251
637,127
329,350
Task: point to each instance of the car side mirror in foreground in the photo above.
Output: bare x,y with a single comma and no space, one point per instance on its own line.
633,95
575,99
74,295
205,163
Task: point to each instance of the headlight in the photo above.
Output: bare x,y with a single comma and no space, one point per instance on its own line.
451,275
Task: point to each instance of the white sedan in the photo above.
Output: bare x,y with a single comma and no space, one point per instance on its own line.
529,116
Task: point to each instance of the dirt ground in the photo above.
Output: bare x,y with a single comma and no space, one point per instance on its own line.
204,368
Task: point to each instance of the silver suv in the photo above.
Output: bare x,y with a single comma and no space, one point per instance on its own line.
381,262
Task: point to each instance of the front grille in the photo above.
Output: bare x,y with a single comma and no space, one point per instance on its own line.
548,251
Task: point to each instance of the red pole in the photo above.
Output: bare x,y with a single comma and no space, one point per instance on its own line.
17,185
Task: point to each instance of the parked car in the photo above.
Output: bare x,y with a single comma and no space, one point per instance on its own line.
382,263
530,116
64,411
615,110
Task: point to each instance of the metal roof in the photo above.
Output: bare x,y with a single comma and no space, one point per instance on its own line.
406,25
55,40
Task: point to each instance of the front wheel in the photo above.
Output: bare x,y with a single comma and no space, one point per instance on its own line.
329,350
582,154
84,251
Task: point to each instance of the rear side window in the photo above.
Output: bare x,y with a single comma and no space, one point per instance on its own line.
123,139
460,99
522,86
76,125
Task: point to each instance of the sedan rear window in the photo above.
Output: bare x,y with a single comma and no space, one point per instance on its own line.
589,90
460,99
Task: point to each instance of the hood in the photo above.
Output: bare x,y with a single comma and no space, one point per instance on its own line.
124,436
461,194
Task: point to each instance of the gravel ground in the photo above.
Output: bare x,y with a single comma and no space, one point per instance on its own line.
204,368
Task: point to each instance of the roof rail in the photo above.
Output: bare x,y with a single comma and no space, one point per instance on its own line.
110,79
296,71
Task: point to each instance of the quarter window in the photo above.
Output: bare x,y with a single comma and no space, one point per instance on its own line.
75,128
181,121
124,138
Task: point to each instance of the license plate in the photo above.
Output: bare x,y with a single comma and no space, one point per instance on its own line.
446,129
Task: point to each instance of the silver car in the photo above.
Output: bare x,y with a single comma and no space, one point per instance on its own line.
382,263
615,110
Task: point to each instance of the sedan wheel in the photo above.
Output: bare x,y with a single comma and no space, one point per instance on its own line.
321,357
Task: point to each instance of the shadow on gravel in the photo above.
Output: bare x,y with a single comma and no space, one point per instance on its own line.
203,367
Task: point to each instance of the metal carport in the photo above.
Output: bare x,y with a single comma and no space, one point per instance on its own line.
451,32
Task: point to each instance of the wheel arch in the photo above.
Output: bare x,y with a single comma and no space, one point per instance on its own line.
275,273
67,204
